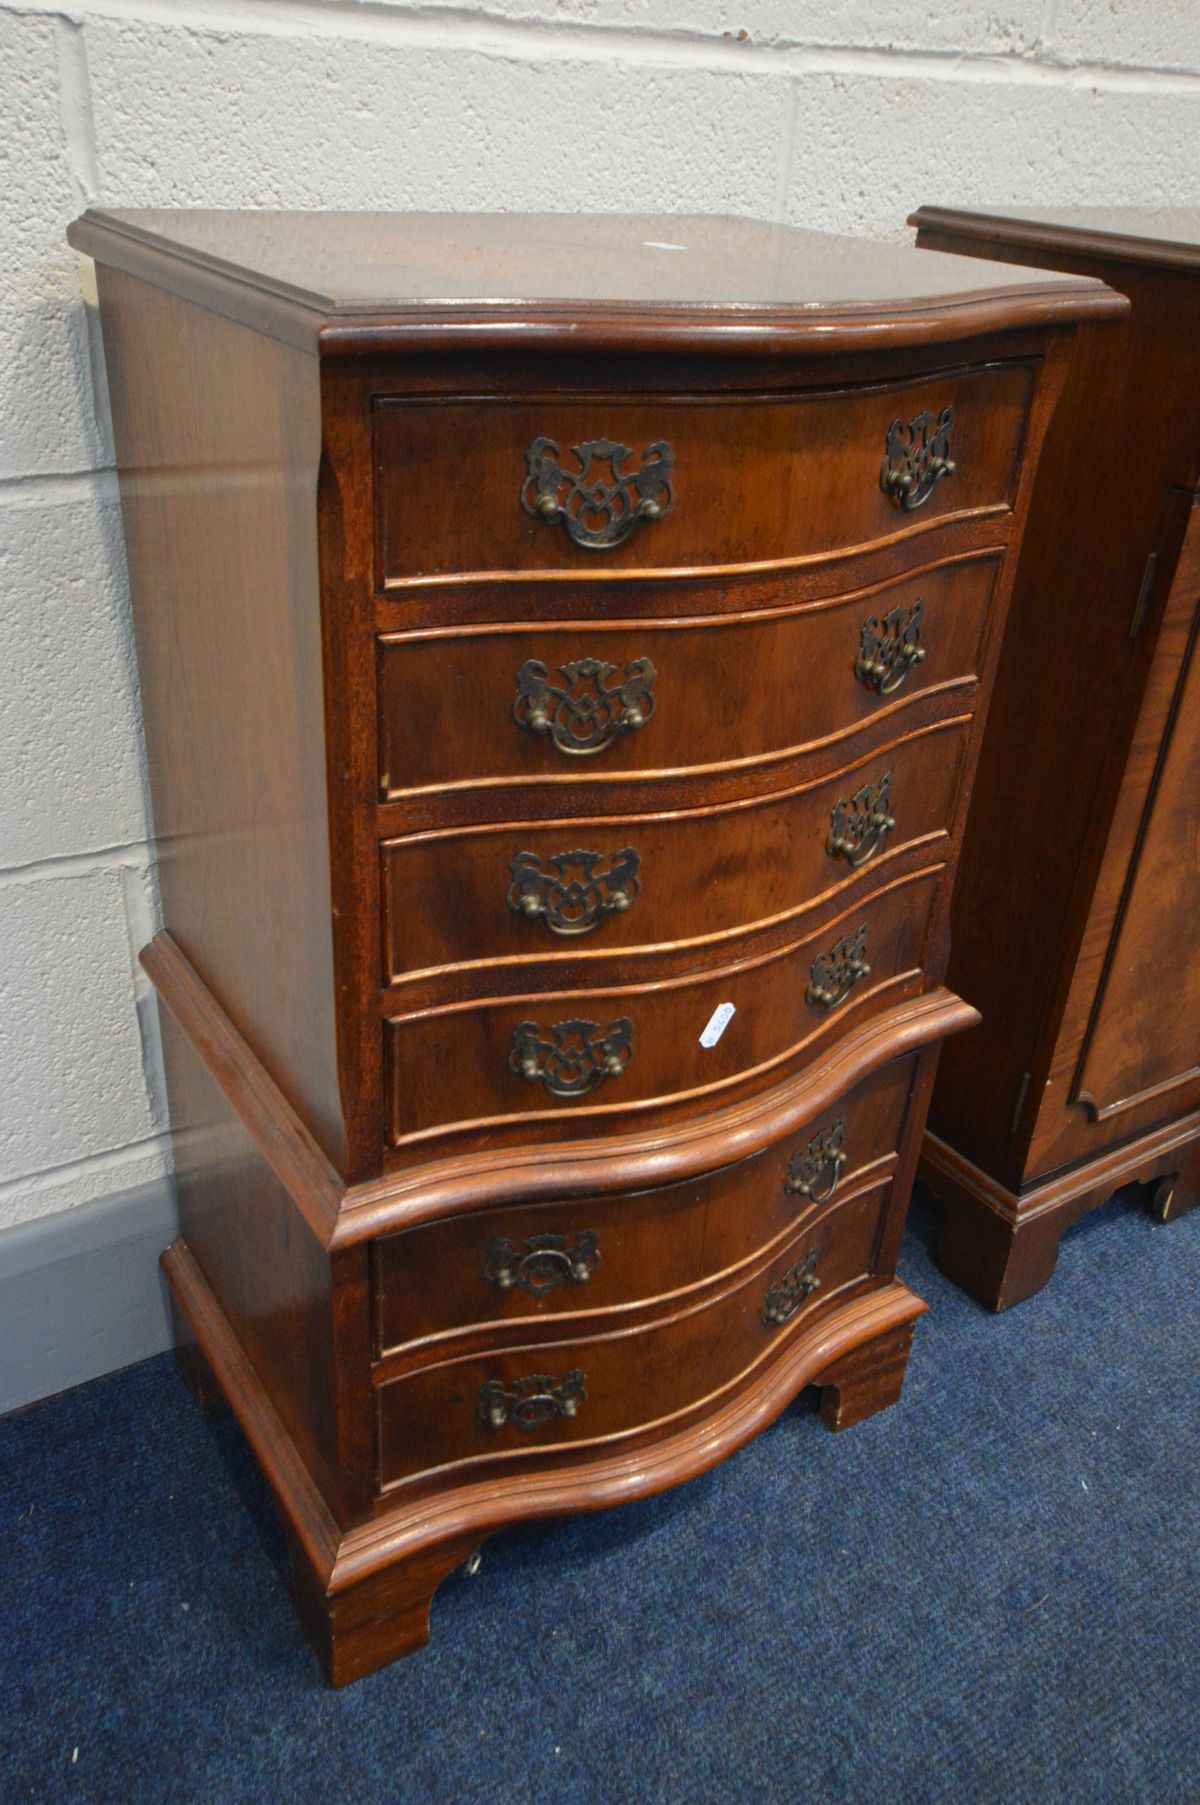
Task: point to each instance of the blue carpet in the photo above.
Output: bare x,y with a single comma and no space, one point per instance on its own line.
987,1596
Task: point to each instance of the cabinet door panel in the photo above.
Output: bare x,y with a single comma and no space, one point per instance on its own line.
1130,1047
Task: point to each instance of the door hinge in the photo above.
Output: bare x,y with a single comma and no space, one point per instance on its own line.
1143,602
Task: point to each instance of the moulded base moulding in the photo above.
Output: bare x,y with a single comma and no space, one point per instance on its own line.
1002,1245
364,1594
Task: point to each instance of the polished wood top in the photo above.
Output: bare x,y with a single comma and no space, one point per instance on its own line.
370,281
1166,236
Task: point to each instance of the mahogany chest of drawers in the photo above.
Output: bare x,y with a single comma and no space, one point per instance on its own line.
563,646
1077,923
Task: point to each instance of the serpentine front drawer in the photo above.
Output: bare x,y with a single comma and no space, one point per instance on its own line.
607,1253
498,1407
541,710
530,1062
688,481
534,897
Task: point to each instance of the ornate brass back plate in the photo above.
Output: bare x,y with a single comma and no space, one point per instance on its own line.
530,1403
601,503
785,1297
574,1057
824,1154
835,973
887,652
857,826
916,457
586,713
541,1263
577,890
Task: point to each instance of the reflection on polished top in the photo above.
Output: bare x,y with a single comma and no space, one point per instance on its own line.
348,265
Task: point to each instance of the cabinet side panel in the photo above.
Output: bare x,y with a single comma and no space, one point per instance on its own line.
218,436
262,1262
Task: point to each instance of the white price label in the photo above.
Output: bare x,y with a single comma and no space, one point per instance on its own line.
718,1021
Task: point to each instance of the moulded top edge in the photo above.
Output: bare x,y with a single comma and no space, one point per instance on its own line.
363,282
1168,237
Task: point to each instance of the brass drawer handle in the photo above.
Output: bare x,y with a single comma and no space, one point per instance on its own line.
601,503
576,890
541,1263
530,1403
835,973
586,713
785,1297
824,1154
575,1058
916,458
887,652
857,826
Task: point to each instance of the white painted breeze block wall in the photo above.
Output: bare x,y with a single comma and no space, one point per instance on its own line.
843,115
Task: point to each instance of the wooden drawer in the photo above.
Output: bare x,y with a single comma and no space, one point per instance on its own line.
462,710
598,1254
595,1388
608,1051
736,479
534,895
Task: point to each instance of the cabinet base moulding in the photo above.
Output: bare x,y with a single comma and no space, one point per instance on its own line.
1002,1246
363,1595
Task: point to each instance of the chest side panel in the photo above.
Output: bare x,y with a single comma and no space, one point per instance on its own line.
218,436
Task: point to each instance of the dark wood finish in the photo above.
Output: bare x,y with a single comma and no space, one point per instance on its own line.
364,1598
774,849
755,479
724,692
865,1380
364,1626
334,579
451,1068
1130,1041
258,1254
432,283
217,487
1004,1252
431,1281
342,1218
1075,926
632,1377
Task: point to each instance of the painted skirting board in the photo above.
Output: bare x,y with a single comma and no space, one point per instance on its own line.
81,1293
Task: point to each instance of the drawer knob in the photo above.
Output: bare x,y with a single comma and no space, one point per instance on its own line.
835,973
574,891
574,1058
857,826
530,1403
916,457
602,502
785,1297
815,1170
587,712
542,1263
888,651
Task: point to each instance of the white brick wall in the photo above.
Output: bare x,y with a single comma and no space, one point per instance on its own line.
844,114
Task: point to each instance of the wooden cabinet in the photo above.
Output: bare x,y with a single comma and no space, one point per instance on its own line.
1076,928
563,658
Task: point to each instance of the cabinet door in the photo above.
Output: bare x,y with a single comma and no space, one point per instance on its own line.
1128,1054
